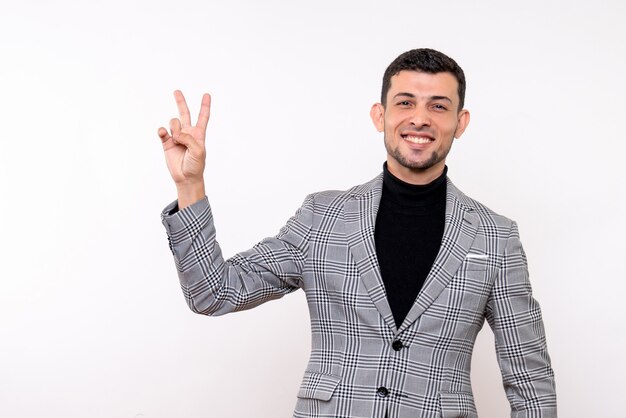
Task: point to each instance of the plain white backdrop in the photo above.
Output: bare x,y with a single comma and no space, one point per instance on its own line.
92,320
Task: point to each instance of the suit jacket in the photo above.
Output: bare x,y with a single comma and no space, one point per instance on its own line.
361,365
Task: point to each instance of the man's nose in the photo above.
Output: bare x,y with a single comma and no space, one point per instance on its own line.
420,116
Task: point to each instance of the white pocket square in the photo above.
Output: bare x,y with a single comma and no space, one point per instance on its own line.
477,256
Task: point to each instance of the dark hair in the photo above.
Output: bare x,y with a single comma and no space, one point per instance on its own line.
427,61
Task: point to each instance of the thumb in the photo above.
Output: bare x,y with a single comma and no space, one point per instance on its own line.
191,144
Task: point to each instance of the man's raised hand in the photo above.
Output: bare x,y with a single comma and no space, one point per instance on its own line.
184,150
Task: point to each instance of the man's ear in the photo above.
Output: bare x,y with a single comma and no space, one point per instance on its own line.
377,113
463,121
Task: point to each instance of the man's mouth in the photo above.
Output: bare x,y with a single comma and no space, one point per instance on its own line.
417,139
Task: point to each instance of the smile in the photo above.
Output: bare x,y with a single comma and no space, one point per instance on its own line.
417,139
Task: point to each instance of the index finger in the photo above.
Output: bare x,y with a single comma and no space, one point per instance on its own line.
205,111
183,109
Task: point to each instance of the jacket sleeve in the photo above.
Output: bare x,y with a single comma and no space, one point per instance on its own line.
515,318
214,286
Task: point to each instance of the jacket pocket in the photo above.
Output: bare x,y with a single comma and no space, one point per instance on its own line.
457,405
318,386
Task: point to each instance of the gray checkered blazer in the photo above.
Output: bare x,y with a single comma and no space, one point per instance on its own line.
361,365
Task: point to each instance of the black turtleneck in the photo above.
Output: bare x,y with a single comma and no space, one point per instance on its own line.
409,228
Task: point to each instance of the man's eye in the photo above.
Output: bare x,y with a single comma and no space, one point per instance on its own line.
439,107
404,103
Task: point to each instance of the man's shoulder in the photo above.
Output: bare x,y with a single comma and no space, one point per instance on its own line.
369,189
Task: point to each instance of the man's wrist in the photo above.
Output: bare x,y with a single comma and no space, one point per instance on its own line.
190,193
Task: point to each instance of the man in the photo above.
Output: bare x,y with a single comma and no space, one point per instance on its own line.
400,273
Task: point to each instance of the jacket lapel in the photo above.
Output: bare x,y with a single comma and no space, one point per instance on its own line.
360,218
460,229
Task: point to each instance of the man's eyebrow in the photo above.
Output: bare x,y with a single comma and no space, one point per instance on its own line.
411,95
404,94
441,98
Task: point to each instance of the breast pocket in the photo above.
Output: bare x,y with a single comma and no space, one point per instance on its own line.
467,291
477,268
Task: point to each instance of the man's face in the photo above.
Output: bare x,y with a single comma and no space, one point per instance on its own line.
420,120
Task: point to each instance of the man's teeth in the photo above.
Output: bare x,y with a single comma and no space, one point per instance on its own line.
417,139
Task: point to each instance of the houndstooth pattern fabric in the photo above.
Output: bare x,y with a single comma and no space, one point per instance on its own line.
361,365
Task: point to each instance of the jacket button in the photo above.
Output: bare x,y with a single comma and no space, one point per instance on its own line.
397,345
382,392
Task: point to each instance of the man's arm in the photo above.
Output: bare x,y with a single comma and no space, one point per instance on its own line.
515,318
212,285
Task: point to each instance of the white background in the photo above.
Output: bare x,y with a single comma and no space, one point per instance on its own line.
92,320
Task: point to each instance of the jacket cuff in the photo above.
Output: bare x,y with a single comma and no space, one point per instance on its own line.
180,225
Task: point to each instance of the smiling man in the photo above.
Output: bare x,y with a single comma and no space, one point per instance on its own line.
400,273
420,119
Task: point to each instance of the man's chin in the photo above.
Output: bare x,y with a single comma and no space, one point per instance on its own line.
418,165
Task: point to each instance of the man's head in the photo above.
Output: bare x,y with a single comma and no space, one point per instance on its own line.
421,113
424,60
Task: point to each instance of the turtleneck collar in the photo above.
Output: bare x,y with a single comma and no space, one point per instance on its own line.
414,195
